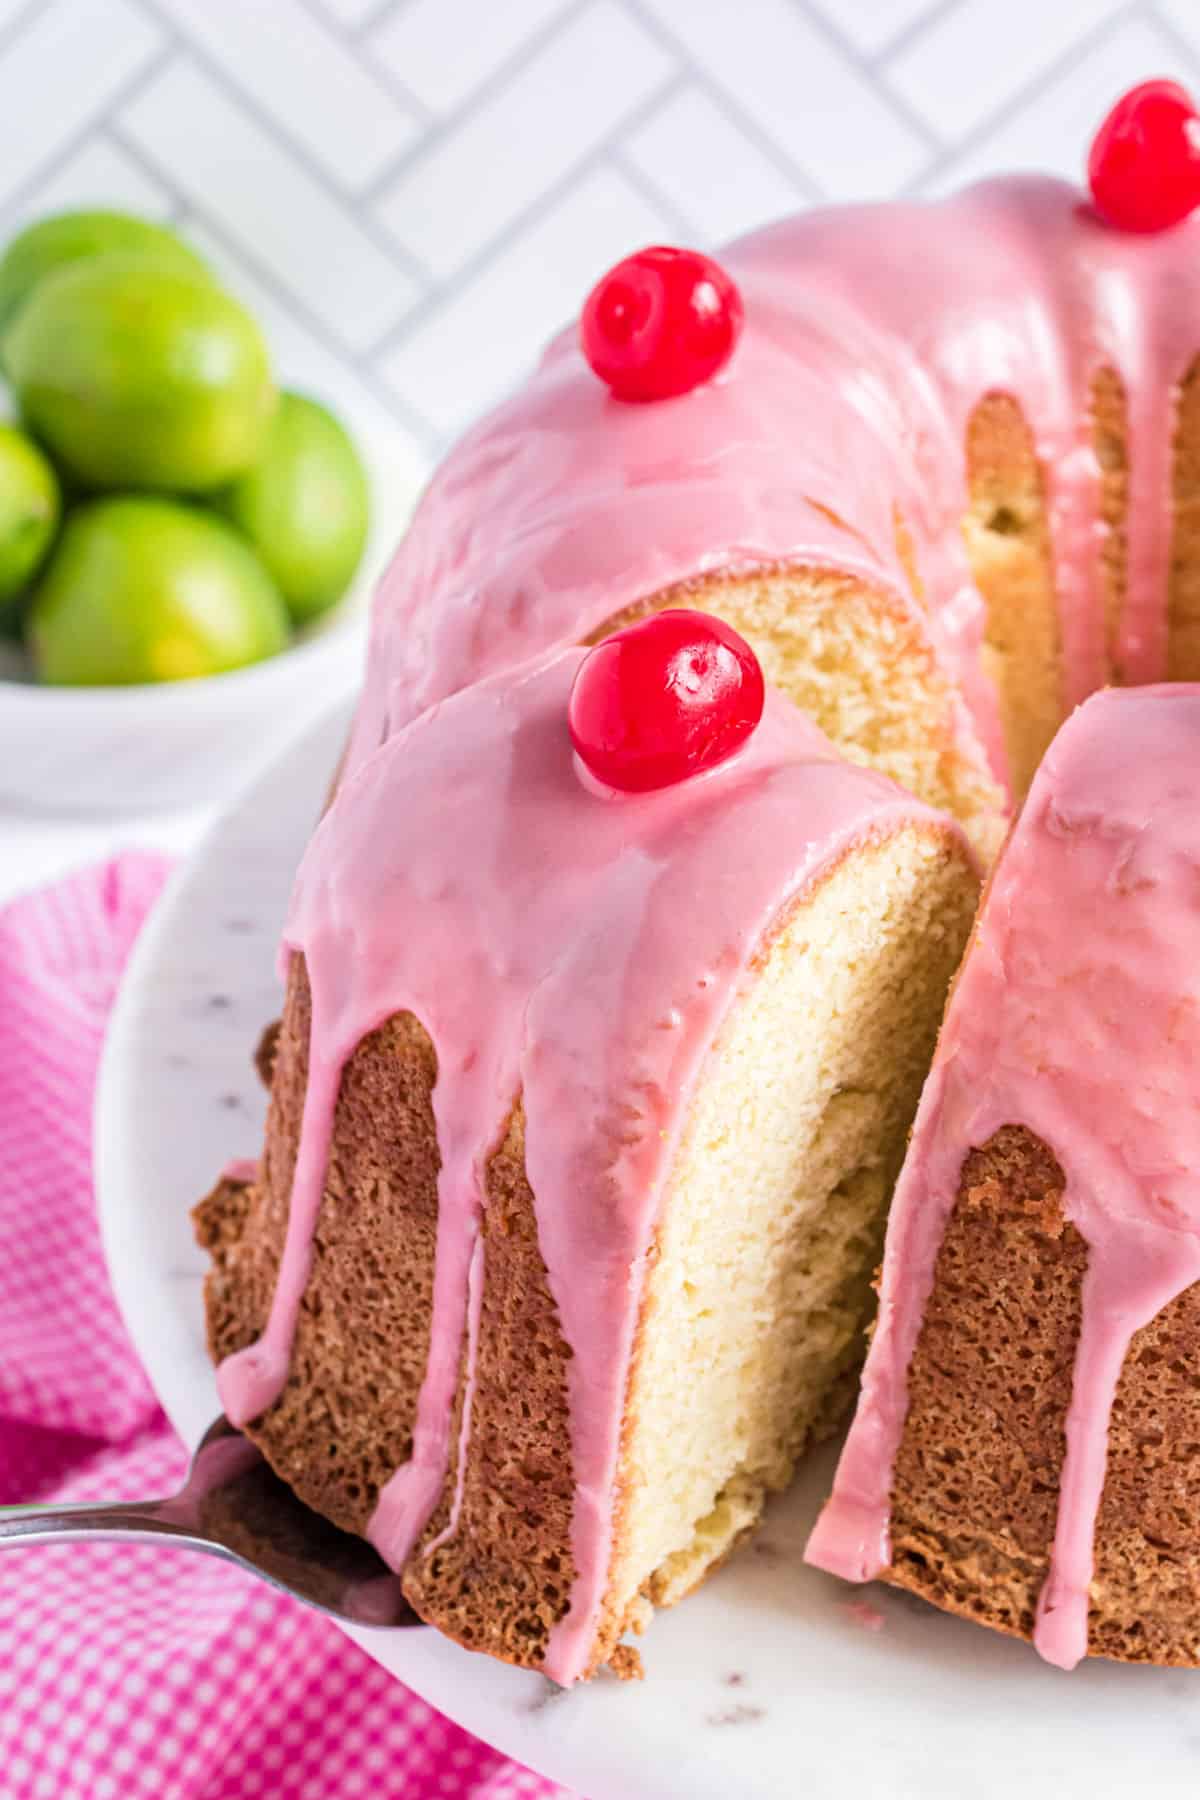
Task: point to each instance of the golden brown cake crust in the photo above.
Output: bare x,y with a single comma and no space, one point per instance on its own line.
1007,536
344,1421
1183,598
504,1578
975,1486
1110,440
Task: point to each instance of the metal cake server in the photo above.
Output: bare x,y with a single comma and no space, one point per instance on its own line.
234,1506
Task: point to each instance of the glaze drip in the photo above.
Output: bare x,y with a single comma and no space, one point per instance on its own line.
1091,1039
548,938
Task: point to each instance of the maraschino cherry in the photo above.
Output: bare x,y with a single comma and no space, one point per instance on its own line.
660,323
666,698
1144,169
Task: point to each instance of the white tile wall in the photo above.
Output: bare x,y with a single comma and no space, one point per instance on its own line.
1058,115
71,60
718,180
412,42
1184,15
289,64
97,167
871,25
414,193
226,164
984,38
806,92
533,285
519,143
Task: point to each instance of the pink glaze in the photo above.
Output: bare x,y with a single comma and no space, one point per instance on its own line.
871,333
1091,1038
867,1618
241,1170
578,948
463,1448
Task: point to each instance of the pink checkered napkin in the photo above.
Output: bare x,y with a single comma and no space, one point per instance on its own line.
127,1672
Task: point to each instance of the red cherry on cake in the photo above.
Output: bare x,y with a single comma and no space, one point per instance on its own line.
1144,169
660,323
666,698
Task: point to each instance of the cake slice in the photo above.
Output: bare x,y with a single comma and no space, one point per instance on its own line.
1025,1447
585,1112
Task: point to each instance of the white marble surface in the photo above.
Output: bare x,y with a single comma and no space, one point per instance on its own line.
773,1680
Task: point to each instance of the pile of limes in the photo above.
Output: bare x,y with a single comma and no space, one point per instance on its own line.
165,511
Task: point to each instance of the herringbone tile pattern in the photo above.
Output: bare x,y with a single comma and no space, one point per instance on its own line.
416,192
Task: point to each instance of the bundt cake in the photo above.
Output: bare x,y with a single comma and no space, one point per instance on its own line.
585,1110
1025,1446
586,1104
948,485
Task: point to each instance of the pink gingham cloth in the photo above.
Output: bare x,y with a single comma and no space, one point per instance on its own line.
136,1674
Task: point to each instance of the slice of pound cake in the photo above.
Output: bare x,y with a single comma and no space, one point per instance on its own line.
593,1080
1025,1447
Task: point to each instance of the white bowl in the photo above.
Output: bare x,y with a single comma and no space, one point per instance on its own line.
79,751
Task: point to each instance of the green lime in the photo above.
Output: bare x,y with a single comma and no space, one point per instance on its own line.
135,375
68,237
305,506
143,589
30,505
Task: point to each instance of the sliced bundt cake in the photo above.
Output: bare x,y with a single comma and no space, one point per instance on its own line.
585,1112
1025,1446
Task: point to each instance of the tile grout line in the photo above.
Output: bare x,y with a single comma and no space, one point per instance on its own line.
375,15
409,417
110,133
649,189
1173,35
122,94
873,61
476,265
355,46
885,92
292,147
728,105
446,124
1089,40
19,24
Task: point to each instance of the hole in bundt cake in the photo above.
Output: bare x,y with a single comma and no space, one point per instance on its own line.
1008,543
1183,591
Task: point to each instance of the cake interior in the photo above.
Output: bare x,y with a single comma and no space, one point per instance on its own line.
853,658
753,1323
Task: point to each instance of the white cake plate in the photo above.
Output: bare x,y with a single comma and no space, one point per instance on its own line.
771,1681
